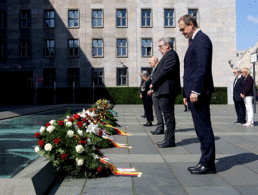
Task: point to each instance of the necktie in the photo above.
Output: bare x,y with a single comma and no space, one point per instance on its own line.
190,41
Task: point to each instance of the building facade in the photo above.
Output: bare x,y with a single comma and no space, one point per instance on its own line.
104,42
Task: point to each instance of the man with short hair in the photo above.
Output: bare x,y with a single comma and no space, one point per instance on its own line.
198,88
160,123
238,100
166,84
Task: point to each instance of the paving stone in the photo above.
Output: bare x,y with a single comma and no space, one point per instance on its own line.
148,190
154,174
141,145
211,190
247,190
115,190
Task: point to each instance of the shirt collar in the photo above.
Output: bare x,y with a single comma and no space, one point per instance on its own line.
195,33
239,76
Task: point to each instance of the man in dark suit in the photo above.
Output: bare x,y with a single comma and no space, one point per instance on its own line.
166,84
238,100
198,88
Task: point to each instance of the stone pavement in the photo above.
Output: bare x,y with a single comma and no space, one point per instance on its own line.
165,170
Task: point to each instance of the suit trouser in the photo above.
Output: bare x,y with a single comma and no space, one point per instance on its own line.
167,106
240,110
202,123
160,122
147,103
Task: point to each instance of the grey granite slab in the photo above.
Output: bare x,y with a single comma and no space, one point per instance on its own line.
247,190
107,190
211,190
148,190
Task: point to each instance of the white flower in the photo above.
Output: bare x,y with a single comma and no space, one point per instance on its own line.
68,116
80,132
42,129
91,114
70,133
69,124
92,128
88,142
95,156
48,147
79,161
50,128
79,149
52,122
37,149
66,120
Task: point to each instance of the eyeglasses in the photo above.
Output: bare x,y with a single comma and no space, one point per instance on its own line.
234,72
160,46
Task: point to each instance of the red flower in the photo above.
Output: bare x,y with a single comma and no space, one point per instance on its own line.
41,143
76,116
84,119
64,156
61,123
97,150
70,119
99,169
85,141
100,133
79,124
47,124
37,135
57,140
103,123
81,142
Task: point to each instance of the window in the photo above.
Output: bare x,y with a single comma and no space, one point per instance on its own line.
148,69
49,48
98,76
49,20
194,13
25,19
49,75
146,17
121,18
73,48
25,48
73,75
146,48
169,18
97,18
2,19
2,48
121,77
121,48
73,18
97,48
173,43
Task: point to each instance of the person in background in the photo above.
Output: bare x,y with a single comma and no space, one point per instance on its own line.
147,100
144,115
238,100
247,94
160,122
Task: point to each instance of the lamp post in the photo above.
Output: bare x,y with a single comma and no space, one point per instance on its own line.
253,59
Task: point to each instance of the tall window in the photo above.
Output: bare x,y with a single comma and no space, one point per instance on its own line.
121,48
98,76
97,48
146,47
74,76
25,48
73,18
194,13
73,47
25,19
49,19
97,18
146,18
122,77
169,18
2,19
121,18
173,43
49,75
2,48
49,48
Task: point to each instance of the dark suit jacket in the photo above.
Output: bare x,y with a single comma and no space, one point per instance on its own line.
166,76
237,90
147,88
197,66
247,86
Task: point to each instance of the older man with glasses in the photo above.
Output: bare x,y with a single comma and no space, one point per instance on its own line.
238,100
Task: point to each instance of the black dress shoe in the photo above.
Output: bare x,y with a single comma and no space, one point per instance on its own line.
143,116
203,170
243,122
191,168
158,143
148,124
157,132
166,145
185,110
